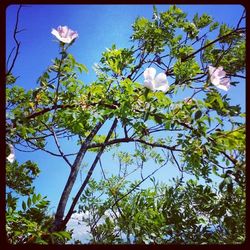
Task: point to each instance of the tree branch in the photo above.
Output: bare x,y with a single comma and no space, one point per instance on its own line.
59,147
65,221
239,30
131,190
16,41
61,106
120,140
57,225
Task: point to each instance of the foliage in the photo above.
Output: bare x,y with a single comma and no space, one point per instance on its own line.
31,224
28,222
202,135
183,213
20,177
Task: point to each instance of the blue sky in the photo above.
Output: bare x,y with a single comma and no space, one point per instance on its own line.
98,26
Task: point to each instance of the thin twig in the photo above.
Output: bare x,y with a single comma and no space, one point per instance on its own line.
59,147
18,43
137,185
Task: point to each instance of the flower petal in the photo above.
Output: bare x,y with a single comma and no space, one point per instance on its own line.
64,34
149,73
161,78
55,33
220,73
64,31
217,77
73,34
66,39
211,70
161,82
216,71
215,80
164,88
149,84
11,156
224,84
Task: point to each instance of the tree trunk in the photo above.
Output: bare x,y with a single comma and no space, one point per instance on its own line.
98,156
72,178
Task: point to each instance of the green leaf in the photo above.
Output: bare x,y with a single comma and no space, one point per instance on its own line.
65,235
29,202
39,197
24,205
167,125
34,198
197,115
81,67
202,21
51,86
213,26
23,131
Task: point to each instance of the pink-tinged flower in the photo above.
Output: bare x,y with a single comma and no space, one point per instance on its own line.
155,83
64,34
218,78
11,156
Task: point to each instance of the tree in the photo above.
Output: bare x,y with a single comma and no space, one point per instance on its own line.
202,135
184,213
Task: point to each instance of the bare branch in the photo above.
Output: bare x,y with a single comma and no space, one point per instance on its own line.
58,223
58,76
176,162
120,140
67,217
103,173
59,147
131,190
18,43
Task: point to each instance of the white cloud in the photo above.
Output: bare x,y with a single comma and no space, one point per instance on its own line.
80,229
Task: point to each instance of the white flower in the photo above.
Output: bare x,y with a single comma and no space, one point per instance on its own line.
218,78
64,34
11,156
155,83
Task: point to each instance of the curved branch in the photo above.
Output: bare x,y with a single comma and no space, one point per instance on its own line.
120,140
18,43
239,30
234,161
60,106
59,148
